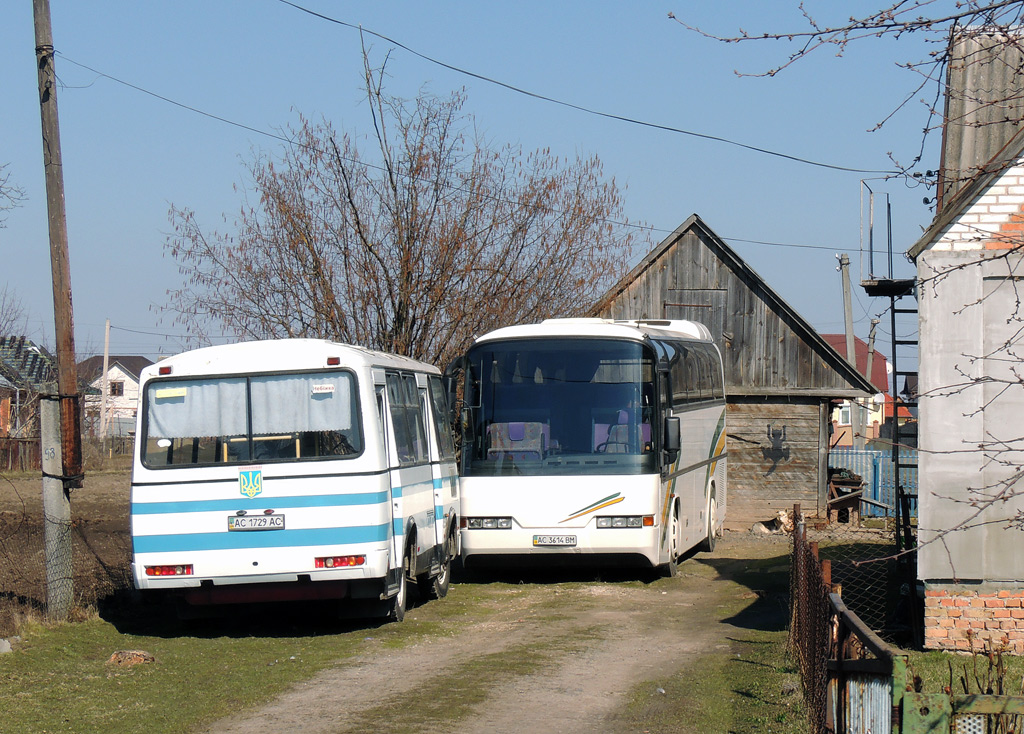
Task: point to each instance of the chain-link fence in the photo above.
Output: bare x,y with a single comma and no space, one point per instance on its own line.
863,542
100,547
808,626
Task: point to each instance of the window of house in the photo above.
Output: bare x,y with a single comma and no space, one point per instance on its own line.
116,389
844,414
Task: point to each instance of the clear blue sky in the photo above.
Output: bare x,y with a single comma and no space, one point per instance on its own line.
128,155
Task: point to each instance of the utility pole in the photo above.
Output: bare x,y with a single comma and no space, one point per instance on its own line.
871,360
856,422
56,505
106,387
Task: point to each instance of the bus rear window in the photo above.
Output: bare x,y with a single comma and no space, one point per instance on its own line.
262,418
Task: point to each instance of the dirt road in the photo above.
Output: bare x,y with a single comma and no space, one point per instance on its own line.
562,653
506,653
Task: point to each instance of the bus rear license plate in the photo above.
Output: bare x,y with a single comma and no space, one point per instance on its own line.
558,540
256,522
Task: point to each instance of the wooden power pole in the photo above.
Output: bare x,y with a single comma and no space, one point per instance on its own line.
64,455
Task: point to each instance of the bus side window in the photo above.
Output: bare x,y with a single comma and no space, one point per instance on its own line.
439,404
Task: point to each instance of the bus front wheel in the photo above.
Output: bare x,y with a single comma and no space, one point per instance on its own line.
708,544
669,569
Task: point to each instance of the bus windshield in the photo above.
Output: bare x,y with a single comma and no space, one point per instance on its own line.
559,406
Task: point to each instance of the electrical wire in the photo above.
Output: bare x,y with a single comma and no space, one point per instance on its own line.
638,227
580,108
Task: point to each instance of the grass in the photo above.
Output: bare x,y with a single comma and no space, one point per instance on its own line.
753,687
58,678
980,673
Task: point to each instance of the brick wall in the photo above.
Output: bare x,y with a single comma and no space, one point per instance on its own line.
993,220
956,618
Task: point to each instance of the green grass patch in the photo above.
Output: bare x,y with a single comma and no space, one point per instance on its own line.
980,673
58,678
754,688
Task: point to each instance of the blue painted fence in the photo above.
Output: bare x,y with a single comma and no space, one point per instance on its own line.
876,467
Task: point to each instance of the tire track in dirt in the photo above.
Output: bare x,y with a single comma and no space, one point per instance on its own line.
622,635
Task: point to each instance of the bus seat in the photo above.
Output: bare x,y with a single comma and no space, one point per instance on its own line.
615,438
517,440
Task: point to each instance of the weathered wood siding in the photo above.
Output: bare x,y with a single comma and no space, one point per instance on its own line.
765,350
779,372
768,473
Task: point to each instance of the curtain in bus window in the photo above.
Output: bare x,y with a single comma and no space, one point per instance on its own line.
294,403
185,409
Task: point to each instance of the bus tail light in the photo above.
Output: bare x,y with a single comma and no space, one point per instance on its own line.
487,523
339,561
180,570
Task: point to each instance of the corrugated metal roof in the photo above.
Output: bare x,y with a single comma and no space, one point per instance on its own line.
984,105
983,130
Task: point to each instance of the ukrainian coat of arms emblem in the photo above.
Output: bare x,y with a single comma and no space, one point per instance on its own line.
250,482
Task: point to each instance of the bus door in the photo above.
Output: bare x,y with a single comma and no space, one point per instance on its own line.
442,460
411,480
394,501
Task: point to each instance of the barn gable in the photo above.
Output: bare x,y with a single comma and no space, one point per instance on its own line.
781,375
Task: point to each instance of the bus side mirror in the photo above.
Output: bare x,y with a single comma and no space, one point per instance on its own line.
672,436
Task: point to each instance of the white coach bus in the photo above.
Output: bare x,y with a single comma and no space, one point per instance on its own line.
592,440
296,469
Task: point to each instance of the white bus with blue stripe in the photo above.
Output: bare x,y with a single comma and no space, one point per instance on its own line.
592,441
289,470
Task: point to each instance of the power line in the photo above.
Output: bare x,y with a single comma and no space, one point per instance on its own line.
580,108
289,141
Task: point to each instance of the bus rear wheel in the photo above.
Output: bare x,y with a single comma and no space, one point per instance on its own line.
436,587
397,603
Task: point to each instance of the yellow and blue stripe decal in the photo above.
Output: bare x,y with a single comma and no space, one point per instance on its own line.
612,499
276,539
717,449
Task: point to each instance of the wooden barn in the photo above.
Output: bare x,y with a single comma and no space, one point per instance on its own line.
781,376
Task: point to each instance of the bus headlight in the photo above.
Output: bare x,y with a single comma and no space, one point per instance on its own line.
627,521
487,523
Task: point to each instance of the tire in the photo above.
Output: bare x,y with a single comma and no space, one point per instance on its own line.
436,587
669,569
397,603
708,544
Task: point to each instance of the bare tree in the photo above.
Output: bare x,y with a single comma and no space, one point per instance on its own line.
436,237
13,317
936,21
10,195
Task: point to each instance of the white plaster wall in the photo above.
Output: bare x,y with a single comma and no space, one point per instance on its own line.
960,317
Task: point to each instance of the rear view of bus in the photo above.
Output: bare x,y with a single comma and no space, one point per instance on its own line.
592,441
293,470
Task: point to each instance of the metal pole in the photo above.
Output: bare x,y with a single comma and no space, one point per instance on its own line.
106,387
67,370
851,353
56,513
870,365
